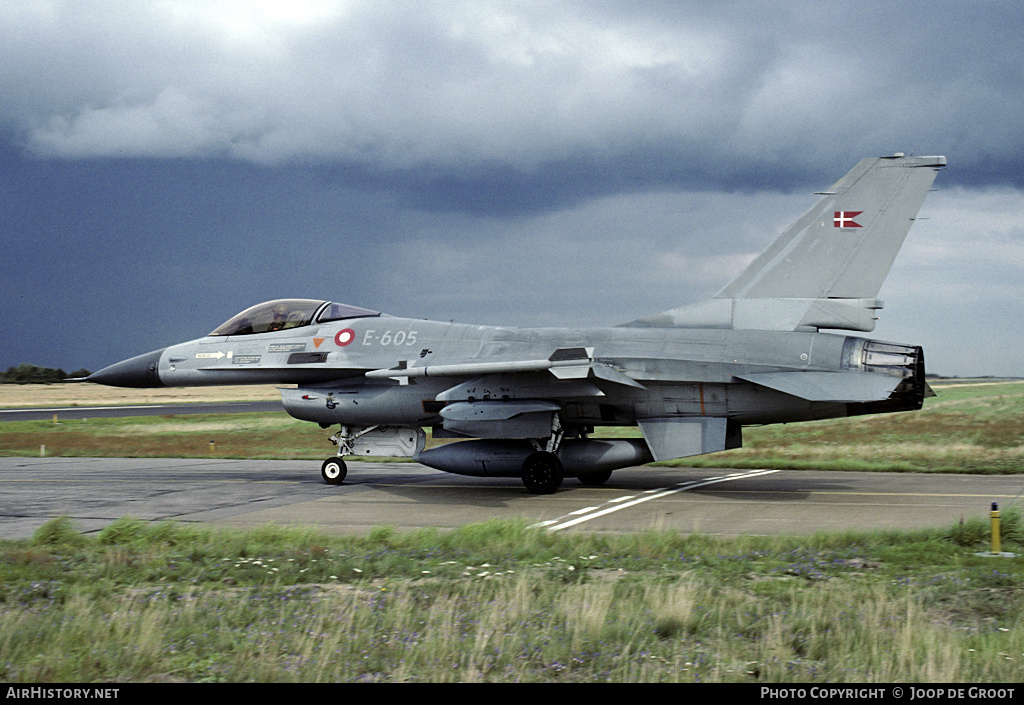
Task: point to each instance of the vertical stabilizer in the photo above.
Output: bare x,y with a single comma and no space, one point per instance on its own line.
826,269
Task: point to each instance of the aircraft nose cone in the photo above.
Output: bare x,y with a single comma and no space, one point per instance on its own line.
139,371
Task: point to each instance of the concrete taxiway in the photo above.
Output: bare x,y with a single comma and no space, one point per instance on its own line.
93,492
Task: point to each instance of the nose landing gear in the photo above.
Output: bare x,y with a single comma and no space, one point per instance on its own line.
334,471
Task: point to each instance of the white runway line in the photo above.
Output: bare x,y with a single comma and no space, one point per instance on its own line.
619,503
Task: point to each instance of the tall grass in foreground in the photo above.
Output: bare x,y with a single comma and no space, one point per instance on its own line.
500,602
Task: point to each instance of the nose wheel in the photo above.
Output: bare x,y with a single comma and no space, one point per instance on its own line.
334,471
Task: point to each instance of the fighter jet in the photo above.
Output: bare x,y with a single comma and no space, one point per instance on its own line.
526,402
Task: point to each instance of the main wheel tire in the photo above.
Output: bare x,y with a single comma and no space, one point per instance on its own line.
595,479
334,471
542,473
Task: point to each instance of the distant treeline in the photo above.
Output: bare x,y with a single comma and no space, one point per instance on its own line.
30,374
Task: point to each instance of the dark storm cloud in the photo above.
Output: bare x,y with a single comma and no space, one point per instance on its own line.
165,165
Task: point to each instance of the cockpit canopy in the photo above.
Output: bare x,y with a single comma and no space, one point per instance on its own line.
283,314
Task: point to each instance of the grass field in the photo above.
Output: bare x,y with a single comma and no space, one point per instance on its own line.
968,428
502,602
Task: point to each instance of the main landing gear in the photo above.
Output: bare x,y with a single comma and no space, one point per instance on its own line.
542,472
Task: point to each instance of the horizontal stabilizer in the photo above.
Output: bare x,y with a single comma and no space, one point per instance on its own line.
844,387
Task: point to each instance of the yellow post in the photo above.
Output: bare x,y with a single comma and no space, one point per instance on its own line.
996,542
213,446
55,418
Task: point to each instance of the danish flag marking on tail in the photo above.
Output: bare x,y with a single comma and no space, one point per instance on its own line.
844,219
